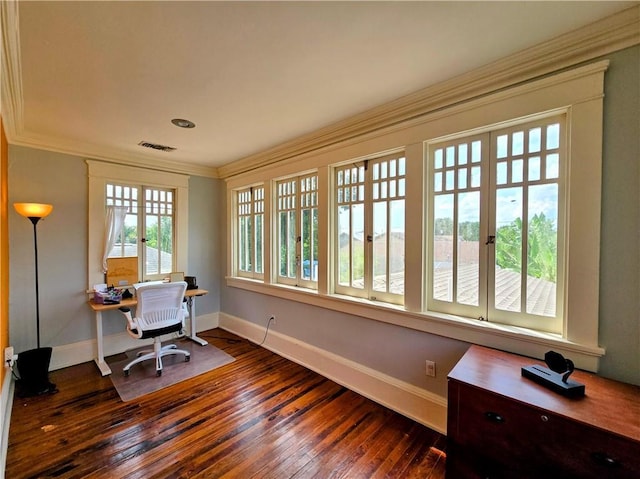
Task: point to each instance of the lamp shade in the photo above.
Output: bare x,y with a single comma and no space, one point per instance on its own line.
33,210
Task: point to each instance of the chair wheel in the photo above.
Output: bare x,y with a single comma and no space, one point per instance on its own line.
187,359
159,372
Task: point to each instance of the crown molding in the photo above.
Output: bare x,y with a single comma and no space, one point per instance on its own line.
107,155
613,33
11,91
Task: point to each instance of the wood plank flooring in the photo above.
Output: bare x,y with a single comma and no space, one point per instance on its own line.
261,416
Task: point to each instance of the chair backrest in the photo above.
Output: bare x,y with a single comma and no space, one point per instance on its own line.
160,304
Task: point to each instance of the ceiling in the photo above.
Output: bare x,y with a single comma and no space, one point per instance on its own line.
97,78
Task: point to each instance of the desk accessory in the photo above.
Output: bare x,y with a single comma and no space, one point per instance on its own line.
556,376
33,365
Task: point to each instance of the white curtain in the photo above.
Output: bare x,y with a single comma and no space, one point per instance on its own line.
114,221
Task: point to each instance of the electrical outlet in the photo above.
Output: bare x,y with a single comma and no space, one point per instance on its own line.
9,357
272,319
431,368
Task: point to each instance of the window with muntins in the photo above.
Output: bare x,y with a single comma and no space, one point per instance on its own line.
148,231
297,217
370,228
250,231
496,223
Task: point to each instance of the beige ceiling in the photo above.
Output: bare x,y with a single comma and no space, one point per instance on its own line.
97,78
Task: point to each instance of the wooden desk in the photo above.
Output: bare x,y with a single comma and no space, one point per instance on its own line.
503,425
105,370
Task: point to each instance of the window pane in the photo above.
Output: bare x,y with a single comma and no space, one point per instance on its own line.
516,171
553,136
553,166
534,140
468,274
501,173
517,143
344,245
534,168
475,177
502,146
282,243
291,245
462,154
437,159
357,246
380,237
542,249
508,246
152,255
396,247
451,156
443,248
310,244
258,243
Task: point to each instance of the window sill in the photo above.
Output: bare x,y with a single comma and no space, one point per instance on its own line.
508,338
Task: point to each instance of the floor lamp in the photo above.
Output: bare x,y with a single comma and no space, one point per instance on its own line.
33,365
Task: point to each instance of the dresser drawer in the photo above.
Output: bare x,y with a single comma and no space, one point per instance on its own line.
510,439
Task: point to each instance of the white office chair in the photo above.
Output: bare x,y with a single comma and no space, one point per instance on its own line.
160,310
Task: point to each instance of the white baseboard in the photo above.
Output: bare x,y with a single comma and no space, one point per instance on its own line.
413,402
84,351
6,403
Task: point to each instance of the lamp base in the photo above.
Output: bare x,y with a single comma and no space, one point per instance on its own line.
33,366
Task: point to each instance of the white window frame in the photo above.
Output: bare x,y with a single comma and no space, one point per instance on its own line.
162,206
293,196
100,173
257,206
486,188
371,189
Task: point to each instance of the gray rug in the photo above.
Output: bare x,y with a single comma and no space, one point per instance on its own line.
142,378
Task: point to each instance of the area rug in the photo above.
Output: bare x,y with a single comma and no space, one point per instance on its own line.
143,380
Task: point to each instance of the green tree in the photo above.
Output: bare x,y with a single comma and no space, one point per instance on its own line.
443,226
469,231
166,235
542,257
542,247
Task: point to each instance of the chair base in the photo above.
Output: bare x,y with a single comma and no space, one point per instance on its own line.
158,353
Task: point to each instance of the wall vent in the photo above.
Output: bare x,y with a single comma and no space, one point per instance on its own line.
155,146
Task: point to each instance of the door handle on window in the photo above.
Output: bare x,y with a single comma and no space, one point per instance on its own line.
491,240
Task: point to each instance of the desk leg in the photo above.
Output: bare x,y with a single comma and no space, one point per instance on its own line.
105,370
191,305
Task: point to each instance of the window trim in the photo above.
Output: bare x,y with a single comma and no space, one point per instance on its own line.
99,174
486,257
579,92
235,235
369,184
298,209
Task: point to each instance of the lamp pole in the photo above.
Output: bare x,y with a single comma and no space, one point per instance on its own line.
34,220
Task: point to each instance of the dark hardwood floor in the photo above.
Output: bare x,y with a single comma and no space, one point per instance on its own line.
261,416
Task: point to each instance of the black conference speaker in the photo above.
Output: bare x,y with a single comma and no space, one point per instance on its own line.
33,366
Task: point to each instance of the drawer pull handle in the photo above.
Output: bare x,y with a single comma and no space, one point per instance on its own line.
494,417
604,460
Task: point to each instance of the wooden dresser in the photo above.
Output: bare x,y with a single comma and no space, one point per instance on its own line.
502,425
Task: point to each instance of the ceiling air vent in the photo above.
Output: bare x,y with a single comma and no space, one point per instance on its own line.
155,146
